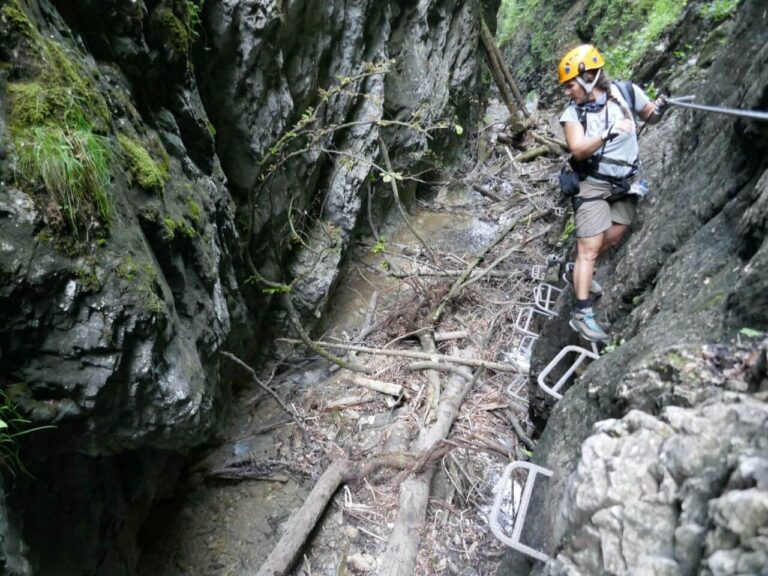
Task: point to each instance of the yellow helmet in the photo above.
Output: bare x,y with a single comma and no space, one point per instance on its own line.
581,58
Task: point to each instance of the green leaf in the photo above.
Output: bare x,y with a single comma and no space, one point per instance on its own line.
459,129
3,424
750,333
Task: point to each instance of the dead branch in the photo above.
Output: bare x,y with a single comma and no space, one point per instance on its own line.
445,336
496,71
532,154
341,471
489,269
438,311
445,273
403,544
384,387
486,191
518,428
303,522
346,402
432,400
436,366
268,390
496,366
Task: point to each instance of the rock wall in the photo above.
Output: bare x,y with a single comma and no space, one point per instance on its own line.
112,336
265,64
659,447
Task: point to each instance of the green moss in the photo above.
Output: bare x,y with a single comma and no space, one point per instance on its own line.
624,45
88,277
719,10
173,227
144,279
127,270
195,213
17,19
57,119
143,169
568,230
174,31
211,128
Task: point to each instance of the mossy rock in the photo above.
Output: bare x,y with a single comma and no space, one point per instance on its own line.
172,32
147,173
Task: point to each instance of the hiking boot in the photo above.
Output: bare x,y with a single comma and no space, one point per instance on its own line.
583,321
595,289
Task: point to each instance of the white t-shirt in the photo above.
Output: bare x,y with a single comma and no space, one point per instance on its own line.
623,147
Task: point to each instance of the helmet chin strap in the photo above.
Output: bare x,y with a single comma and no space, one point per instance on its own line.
588,87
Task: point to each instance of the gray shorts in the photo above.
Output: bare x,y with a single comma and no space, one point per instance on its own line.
596,216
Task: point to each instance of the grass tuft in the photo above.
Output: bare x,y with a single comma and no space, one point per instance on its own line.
73,166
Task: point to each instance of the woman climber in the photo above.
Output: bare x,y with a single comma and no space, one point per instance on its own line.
601,134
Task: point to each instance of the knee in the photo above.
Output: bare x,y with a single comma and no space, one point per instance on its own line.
589,253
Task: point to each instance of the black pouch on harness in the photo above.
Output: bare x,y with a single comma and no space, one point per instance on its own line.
569,182
619,189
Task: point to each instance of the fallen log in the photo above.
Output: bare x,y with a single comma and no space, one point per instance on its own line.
496,71
403,545
532,154
553,142
303,522
497,366
504,68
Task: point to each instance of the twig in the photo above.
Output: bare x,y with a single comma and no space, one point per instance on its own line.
438,311
268,390
517,427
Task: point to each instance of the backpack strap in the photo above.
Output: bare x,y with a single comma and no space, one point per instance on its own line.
627,92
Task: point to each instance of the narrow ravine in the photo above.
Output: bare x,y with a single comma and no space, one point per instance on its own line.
219,523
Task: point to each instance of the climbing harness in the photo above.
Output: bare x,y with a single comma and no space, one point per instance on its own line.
576,171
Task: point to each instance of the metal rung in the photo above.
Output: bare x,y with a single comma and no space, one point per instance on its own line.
582,354
525,349
538,272
502,495
519,382
545,296
525,318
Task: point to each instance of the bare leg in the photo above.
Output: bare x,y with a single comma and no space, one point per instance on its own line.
612,237
588,251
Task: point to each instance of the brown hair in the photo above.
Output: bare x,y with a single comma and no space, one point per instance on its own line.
604,83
